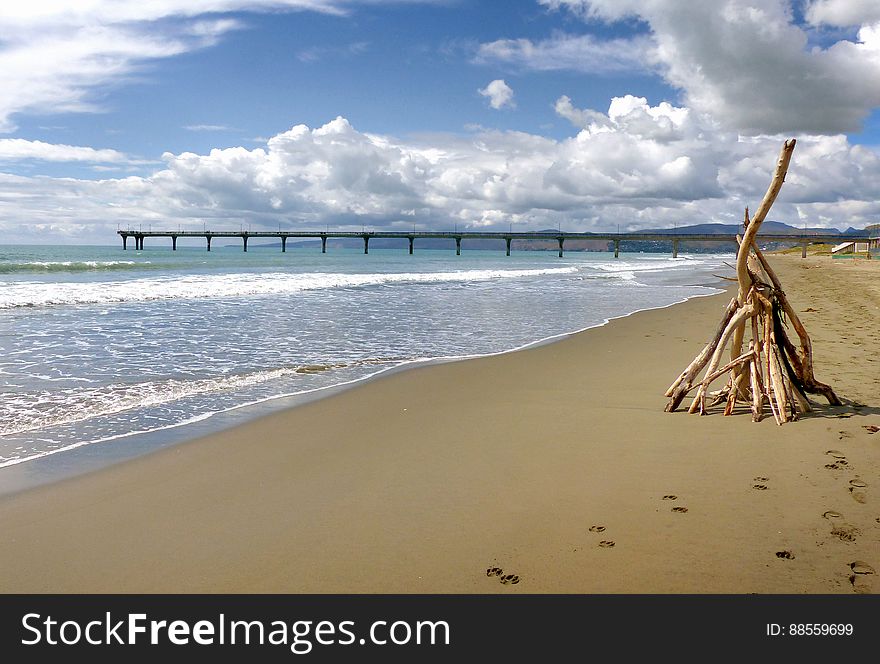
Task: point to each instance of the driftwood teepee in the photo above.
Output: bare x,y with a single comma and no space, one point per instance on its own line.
773,369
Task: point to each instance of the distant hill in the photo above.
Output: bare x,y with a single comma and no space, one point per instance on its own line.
767,227
549,244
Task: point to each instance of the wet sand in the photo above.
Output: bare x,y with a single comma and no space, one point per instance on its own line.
555,464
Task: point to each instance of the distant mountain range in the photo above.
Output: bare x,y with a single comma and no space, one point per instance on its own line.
768,227
540,244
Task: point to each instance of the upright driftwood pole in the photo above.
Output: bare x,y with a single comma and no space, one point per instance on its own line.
773,369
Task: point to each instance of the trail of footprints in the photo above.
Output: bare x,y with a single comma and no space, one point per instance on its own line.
856,485
513,579
860,572
761,483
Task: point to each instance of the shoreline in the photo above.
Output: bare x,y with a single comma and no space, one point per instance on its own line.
420,480
155,440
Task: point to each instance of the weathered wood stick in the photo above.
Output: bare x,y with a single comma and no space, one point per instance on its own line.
755,223
727,367
790,399
757,388
768,384
740,384
773,189
687,376
779,393
789,361
793,358
745,285
738,387
741,314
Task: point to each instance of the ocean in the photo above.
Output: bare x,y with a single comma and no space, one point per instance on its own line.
107,354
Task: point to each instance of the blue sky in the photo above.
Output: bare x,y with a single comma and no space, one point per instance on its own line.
533,113
393,69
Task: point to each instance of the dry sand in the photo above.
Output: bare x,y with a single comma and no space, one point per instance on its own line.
422,480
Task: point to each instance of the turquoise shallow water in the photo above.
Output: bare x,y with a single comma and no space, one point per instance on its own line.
97,344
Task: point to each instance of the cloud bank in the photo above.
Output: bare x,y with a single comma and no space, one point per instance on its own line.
635,165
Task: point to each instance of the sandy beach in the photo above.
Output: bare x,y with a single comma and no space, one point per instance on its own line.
556,464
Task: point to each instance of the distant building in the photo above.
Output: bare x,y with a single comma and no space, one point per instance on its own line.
863,247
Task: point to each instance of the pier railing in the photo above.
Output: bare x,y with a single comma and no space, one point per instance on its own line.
560,237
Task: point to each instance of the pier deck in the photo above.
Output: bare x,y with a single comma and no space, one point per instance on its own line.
616,238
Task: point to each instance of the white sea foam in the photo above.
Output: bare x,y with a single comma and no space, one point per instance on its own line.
31,411
38,294
68,266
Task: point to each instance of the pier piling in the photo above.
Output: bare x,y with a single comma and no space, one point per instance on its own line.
323,244
561,241
208,238
617,248
366,244
507,240
173,243
283,244
411,241
675,248
458,246
244,237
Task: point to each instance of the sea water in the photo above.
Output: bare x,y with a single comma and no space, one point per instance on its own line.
100,347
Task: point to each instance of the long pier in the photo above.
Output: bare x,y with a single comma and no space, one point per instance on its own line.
803,239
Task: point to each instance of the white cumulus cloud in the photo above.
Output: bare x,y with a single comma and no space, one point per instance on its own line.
14,149
843,13
499,94
750,65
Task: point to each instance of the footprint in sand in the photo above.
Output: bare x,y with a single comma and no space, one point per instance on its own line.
760,487
837,454
606,544
859,496
510,579
861,573
872,428
845,532
785,555
670,496
832,466
494,571
680,510
597,529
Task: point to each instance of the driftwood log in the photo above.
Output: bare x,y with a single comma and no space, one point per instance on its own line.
765,366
